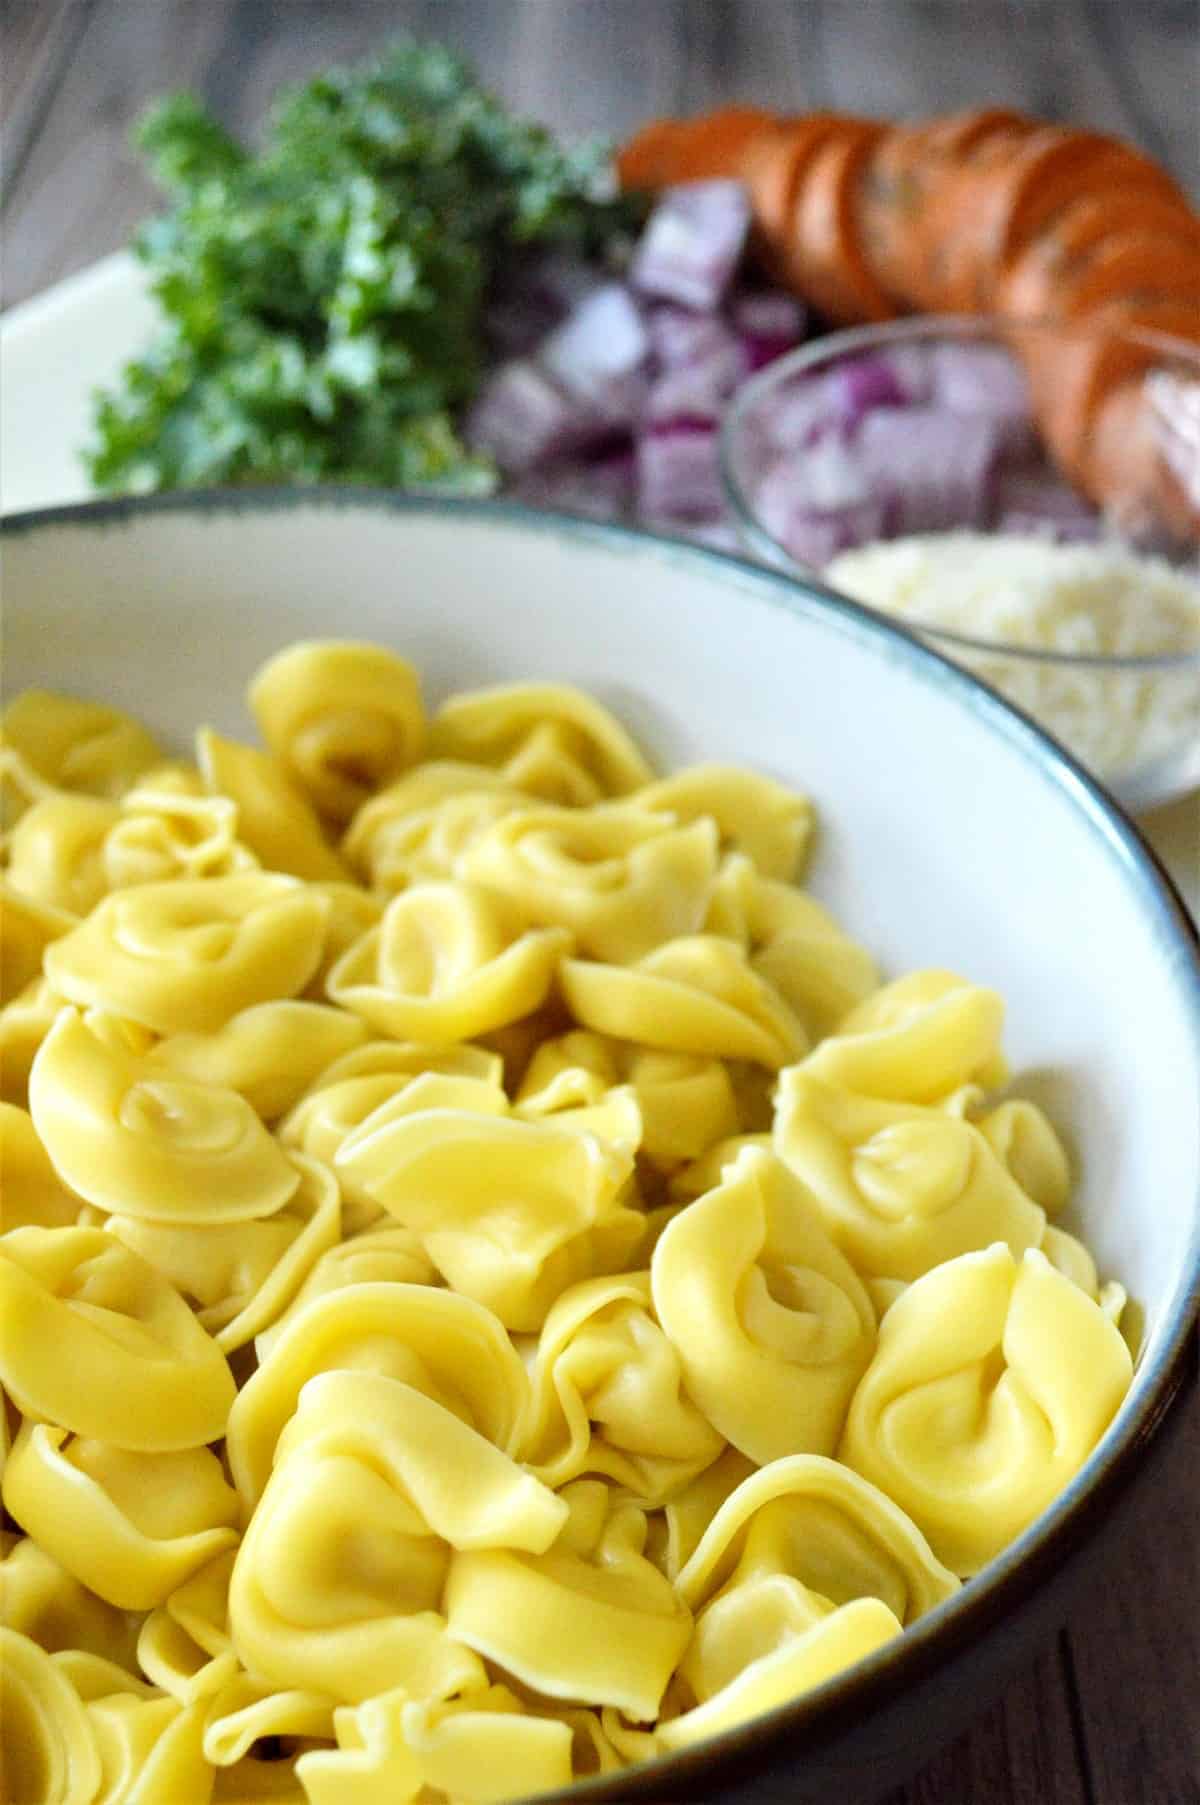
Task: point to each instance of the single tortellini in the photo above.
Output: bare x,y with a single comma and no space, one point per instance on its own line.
49,1748
93,1339
135,1140
901,1188
772,1324
805,1658
1023,1137
275,820
246,1710
27,930
76,745
269,1053
163,835
242,1276
481,1748
510,1212
1068,1255
369,1462
419,828
445,964
768,823
591,1619
31,1191
609,1395
992,1382
622,879
342,718
686,1101
24,1025
792,942
917,1040
697,994
43,1601
547,738
817,1525
56,851
390,1254
132,1527
446,1346
183,956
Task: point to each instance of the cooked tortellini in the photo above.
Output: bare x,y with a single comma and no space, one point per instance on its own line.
342,719
901,1188
446,964
773,1325
493,1287
992,1383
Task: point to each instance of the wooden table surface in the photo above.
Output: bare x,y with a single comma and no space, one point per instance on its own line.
1110,1712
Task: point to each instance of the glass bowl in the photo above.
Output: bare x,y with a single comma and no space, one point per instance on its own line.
929,427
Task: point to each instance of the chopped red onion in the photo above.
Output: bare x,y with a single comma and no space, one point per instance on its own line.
597,488
827,479
599,353
692,243
768,324
815,536
521,417
678,476
680,338
938,467
854,385
695,394
986,380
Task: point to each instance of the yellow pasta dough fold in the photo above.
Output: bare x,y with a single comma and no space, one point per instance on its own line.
446,1346
772,1324
901,1188
31,1191
768,823
609,1395
341,717
132,1527
184,956
697,994
546,738
269,1053
368,1462
916,1040
622,879
48,1753
591,1619
137,1141
510,1212
77,745
93,1339
993,1381
444,965
275,820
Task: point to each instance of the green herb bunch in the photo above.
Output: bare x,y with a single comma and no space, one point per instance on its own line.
323,300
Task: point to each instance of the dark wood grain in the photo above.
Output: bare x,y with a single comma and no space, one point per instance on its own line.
1110,1714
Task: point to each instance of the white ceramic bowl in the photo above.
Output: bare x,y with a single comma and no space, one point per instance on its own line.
953,833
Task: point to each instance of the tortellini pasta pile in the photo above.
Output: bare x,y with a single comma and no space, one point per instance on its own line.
493,1287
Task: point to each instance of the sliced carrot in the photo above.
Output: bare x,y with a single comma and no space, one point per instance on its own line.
1056,167
1071,371
771,167
714,146
1123,467
1041,281
824,260
963,134
1137,268
894,185
649,158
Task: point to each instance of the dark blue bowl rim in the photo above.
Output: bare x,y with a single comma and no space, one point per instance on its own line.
846,1702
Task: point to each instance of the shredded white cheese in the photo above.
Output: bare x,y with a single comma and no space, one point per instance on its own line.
1099,601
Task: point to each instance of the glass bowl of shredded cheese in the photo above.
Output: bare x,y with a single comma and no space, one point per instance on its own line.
1026,497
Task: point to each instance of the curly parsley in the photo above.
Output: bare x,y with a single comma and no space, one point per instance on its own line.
323,299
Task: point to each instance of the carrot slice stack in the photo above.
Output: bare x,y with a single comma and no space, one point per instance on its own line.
980,210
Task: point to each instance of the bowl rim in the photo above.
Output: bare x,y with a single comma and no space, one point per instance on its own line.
1060,1531
816,353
